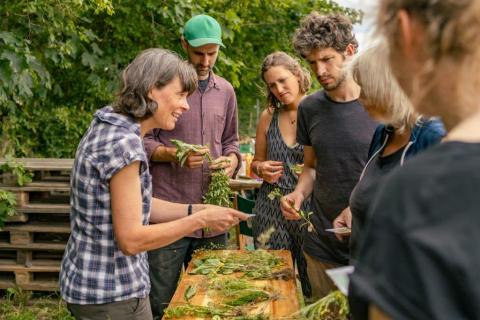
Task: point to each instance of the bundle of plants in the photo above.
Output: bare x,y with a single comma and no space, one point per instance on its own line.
238,292
276,193
219,192
334,306
258,264
184,149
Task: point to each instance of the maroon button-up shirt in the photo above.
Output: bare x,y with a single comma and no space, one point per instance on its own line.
212,120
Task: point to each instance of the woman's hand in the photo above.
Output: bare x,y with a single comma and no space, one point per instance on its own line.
270,171
219,219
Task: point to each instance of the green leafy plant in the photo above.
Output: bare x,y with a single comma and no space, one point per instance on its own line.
258,265
226,281
276,193
18,170
334,306
219,192
190,293
184,149
296,168
8,201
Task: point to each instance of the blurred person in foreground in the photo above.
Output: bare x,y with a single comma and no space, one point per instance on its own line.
420,256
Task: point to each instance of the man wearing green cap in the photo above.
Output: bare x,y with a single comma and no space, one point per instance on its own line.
212,121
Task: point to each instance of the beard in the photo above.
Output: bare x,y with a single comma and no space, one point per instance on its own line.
202,72
336,83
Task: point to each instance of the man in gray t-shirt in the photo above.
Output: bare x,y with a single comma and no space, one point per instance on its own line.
336,132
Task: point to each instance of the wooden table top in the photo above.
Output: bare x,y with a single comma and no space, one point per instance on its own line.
284,307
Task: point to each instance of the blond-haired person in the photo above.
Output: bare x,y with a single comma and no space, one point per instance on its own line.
402,134
420,256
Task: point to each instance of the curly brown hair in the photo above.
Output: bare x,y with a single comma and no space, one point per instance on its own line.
318,31
280,58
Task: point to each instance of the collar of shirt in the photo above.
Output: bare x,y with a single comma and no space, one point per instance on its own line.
106,114
213,82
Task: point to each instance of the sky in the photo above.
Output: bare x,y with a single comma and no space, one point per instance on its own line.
364,30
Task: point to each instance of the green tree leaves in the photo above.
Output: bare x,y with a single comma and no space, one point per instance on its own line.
67,55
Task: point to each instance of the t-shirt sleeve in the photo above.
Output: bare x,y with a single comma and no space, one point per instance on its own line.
303,137
125,151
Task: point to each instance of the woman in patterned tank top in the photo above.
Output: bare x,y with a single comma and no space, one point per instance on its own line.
276,152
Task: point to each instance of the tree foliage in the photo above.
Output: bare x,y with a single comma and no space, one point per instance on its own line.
60,60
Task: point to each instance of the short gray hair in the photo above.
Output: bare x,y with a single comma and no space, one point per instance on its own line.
152,68
371,70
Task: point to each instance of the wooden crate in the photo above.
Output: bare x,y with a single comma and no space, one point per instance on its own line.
284,307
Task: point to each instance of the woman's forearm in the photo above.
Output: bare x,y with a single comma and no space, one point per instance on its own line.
143,238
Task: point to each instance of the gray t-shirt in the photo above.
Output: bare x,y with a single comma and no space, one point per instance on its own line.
340,134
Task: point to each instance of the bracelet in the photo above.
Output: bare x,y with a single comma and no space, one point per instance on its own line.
189,209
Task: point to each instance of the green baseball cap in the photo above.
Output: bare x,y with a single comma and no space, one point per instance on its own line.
201,30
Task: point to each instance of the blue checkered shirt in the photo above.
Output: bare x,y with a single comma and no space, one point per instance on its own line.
94,270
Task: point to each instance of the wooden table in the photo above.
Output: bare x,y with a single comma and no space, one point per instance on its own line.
282,308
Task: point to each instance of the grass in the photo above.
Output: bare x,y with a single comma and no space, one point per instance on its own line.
16,304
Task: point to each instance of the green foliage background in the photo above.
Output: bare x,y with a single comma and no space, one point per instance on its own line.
61,60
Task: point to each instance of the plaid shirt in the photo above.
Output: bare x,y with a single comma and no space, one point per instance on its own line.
94,270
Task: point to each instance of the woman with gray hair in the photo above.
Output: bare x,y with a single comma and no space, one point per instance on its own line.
402,134
104,272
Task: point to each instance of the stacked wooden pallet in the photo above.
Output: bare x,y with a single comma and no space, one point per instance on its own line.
33,240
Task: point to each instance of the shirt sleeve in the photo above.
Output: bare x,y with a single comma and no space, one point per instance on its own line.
230,132
303,137
126,150
151,142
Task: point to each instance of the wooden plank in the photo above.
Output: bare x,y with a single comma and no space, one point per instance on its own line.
33,286
55,227
52,267
18,236
44,208
34,246
281,308
40,186
244,184
17,217
43,163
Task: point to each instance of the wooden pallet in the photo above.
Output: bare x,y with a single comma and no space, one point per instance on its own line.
45,170
33,234
40,197
35,277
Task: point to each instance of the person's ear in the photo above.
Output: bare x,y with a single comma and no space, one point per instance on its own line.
350,50
150,94
184,44
406,33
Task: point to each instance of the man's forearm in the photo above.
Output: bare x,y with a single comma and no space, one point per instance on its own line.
306,182
164,154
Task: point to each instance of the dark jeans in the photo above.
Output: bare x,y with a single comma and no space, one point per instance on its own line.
166,265
135,309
